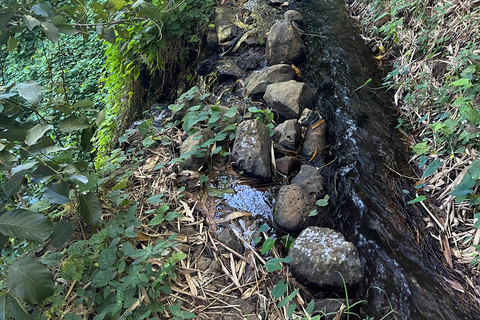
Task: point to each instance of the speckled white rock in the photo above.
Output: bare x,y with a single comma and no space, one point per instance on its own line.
319,254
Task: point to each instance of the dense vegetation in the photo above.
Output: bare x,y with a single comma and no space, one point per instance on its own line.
431,49
60,101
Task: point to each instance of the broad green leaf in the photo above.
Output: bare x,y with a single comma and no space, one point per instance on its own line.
432,168
51,31
460,82
465,187
11,44
57,192
79,177
42,8
90,208
91,185
159,218
72,317
156,199
279,289
23,167
72,268
31,22
73,123
313,213
37,132
62,232
107,258
14,183
29,280
59,20
283,303
151,11
12,135
53,149
25,224
231,112
268,245
67,29
17,311
102,114
172,215
85,104
30,91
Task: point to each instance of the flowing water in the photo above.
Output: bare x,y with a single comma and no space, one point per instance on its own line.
367,196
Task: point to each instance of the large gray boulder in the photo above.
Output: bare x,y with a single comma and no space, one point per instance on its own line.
225,17
320,254
292,209
289,98
195,156
293,16
251,150
310,180
284,44
257,82
287,134
315,141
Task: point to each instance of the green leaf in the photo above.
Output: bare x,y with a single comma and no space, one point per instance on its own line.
37,132
432,167
11,44
90,208
263,228
310,306
231,112
313,213
25,224
31,22
51,31
62,232
115,5
29,280
323,202
268,245
73,123
91,185
417,199
57,192
203,178
291,308
30,91
14,183
460,82
172,215
107,258
156,200
102,114
15,310
279,289
159,218
85,104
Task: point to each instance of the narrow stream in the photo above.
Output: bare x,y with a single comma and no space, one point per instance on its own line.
367,196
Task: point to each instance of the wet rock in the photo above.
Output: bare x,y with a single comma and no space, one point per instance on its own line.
287,165
225,17
251,150
309,117
227,68
287,134
284,44
330,306
228,238
293,16
251,59
310,180
289,98
257,82
292,209
319,254
315,141
195,157
211,40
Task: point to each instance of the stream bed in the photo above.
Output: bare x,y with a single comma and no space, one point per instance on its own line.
368,197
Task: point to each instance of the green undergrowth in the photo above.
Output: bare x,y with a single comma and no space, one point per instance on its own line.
435,69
